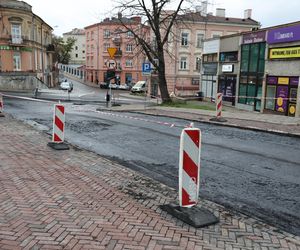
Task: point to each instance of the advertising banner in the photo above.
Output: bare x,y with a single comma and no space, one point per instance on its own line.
281,53
283,35
256,37
281,98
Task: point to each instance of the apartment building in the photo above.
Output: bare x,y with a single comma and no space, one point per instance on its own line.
25,47
183,67
111,33
79,50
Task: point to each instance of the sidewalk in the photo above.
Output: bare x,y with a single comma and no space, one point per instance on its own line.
77,200
235,118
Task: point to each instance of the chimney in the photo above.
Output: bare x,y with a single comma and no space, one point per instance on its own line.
220,12
119,15
247,13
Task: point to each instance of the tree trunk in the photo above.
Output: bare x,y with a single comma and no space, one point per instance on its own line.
162,78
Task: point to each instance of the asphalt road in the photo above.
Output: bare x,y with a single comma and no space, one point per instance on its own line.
251,172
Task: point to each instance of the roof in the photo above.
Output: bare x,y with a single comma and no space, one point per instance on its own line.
75,32
123,20
197,17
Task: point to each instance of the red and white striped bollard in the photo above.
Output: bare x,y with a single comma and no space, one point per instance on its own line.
219,105
58,134
189,166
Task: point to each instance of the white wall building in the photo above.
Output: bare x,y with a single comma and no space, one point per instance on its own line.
78,53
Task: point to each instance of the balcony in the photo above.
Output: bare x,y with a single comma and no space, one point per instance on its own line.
118,53
50,48
117,40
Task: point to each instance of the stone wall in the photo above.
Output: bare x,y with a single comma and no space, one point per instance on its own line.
20,82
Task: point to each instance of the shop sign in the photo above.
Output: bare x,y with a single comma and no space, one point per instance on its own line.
294,81
5,47
292,109
210,47
272,80
281,98
282,53
210,69
283,35
283,80
227,68
256,37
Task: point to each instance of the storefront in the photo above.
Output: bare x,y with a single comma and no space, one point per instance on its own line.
252,68
283,69
210,68
281,94
228,67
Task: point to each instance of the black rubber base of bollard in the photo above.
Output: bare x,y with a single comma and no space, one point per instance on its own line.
218,119
194,216
58,146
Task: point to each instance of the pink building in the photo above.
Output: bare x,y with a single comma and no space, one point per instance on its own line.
183,67
110,33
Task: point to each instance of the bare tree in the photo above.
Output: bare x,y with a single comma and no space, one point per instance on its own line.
157,14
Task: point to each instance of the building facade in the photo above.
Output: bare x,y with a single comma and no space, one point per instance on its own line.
79,50
25,48
282,68
128,59
183,71
228,67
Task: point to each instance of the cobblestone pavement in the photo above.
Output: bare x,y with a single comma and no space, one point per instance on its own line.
77,200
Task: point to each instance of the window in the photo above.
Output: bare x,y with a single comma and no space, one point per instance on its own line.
106,46
184,39
16,33
92,35
198,64
195,81
83,51
199,42
76,55
76,47
128,63
87,36
183,63
254,57
129,47
229,56
245,58
106,33
17,61
129,34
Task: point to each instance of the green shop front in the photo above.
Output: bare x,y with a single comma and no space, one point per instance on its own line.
252,67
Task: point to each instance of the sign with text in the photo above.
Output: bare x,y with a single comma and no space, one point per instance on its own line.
283,35
281,53
256,37
227,68
146,68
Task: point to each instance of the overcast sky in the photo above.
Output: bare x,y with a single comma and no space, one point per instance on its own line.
64,15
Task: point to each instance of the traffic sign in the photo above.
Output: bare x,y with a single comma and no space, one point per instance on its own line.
146,68
111,64
112,52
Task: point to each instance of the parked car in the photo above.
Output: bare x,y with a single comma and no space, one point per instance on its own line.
124,86
66,86
139,87
113,86
104,85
